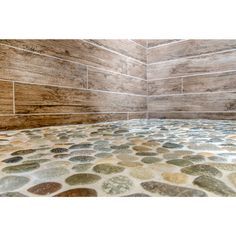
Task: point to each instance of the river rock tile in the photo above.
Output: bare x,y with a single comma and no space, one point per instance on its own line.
171,190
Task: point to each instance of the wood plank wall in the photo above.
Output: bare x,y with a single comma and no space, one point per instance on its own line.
55,82
191,79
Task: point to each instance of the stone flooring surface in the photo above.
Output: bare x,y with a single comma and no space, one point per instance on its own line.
136,158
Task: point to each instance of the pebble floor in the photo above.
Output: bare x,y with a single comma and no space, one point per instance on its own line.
184,158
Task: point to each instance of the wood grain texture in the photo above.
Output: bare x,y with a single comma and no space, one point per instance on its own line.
188,48
210,83
165,86
6,97
81,52
142,115
157,42
34,121
193,115
198,65
123,46
49,99
22,66
107,81
134,68
142,42
225,101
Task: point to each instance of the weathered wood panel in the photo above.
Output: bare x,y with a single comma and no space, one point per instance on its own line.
49,99
34,121
210,83
193,115
142,115
22,66
165,86
79,51
194,102
188,48
142,42
123,46
102,80
157,42
198,65
136,69
6,97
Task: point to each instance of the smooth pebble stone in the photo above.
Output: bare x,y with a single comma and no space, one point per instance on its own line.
141,148
171,190
146,153
183,152
232,178
21,168
45,188
37,156
13,159
123,146
117,185
162,167
162,150
194,158
103,155
129,163
78,192
171,156
107,169
82,159
59,150
172,145
36,161
81,167
224,166
137,195
177,178
122,151
85,152
51,173
101,142
201,169
204,146
23,152
83,178
150,160
81,146
179,162
152,143
142,173
53,164
12,194
217,158
61,156
214,185
10,183
126,157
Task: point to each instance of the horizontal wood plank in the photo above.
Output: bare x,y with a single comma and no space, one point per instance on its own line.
188,66
193,115
123,46
22,66
6,97
106,81
210,83
157,42
49,99
142,42
188,48
81,52
34,121
165,86
142,115
194,102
